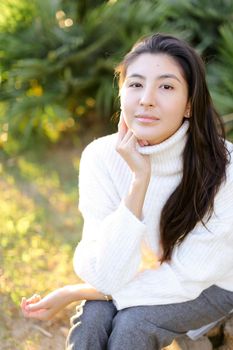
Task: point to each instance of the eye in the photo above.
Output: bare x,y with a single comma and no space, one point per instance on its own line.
166,87
136,85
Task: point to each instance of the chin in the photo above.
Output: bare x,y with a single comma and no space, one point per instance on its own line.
144,136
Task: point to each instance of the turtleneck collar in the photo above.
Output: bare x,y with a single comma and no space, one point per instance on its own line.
166,157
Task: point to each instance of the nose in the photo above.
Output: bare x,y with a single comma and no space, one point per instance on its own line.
148,98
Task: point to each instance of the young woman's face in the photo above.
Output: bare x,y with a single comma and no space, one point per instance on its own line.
154,97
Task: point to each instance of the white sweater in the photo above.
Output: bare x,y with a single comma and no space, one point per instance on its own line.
118,252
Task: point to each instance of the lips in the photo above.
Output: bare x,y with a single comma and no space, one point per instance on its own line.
144,118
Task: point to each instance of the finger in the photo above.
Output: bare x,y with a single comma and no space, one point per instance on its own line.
122,127
127,148
33,299
41,304
128,136
121,119
122,136
143,143
126,142
23,303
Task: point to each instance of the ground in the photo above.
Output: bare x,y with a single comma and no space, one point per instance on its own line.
40,227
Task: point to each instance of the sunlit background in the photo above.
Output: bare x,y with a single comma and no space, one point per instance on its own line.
57,93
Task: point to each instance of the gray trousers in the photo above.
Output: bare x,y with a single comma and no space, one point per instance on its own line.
99,326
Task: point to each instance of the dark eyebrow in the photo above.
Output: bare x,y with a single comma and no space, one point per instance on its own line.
172,76
136,76
162,76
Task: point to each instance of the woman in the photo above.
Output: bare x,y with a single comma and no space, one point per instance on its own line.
157,204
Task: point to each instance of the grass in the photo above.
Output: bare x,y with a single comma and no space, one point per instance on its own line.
39,228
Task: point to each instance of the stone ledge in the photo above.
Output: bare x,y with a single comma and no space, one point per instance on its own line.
223,332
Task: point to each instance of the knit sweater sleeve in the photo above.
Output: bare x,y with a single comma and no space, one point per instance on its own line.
203,259
111,233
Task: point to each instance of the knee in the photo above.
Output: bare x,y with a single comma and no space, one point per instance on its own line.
100,312
92,320
130,326
91,311
127,322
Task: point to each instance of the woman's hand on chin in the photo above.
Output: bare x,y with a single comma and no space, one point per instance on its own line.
126,147
143,143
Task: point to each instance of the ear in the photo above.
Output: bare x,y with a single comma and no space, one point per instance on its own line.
187,113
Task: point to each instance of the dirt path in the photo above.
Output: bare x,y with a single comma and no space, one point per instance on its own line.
18,333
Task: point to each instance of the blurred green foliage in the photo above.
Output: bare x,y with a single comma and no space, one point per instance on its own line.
57,59
15,15
40,223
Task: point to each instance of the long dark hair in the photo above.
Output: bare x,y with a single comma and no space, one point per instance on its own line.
205,156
